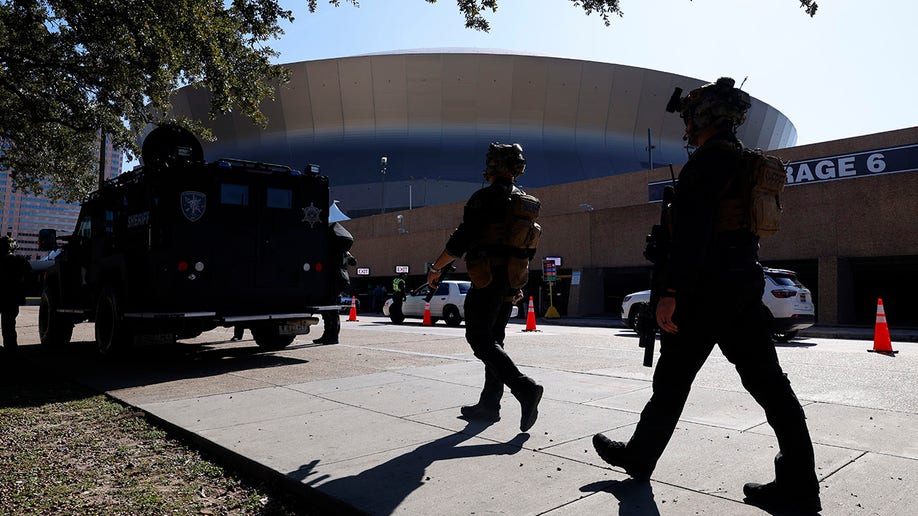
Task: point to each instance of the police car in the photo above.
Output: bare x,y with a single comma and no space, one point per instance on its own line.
789,303
447,303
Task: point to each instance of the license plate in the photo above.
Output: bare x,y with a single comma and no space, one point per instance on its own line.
294,328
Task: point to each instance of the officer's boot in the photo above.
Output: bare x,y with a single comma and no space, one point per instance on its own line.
529,394
488,406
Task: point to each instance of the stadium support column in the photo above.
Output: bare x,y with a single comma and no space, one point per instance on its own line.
383,162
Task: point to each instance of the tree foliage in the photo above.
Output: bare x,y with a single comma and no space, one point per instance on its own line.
72,69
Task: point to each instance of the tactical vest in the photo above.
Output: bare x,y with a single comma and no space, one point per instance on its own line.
509,243
753,198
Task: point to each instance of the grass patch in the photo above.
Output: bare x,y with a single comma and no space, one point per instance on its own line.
67,450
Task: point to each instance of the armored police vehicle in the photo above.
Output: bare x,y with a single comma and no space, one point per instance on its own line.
180,246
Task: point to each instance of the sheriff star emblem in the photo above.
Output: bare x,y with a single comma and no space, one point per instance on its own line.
311,215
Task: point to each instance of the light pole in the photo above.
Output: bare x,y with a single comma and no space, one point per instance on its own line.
382,194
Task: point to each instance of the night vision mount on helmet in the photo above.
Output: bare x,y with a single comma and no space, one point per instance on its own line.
711,104
505,160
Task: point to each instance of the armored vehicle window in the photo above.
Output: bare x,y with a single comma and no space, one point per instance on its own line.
280,198
84,228
109,221
234,194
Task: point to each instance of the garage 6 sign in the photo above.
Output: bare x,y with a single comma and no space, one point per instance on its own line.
834,168
883,161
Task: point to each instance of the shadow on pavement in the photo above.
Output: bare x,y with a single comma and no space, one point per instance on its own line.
147,365
23,384
381,489
800,342
634,498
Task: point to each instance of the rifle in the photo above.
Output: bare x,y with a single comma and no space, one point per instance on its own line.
448,268
657,252
646,328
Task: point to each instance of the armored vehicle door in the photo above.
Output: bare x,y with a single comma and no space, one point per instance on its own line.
292,225
268,236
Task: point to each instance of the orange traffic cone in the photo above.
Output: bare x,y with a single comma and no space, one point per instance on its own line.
427,314
353,315
530,317
881,341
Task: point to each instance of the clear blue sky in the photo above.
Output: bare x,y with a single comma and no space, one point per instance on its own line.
846,72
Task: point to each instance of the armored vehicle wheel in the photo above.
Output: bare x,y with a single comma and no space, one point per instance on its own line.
112,334
54,329
451,316
267,337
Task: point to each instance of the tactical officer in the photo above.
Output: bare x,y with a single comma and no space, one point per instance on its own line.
341,242
15,272
703,259
497,237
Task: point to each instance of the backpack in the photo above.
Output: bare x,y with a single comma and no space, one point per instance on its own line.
510,243
759,208
522,230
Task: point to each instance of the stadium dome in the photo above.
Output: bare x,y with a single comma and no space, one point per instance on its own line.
432,115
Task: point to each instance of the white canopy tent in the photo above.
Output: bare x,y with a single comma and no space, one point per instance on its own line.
335,214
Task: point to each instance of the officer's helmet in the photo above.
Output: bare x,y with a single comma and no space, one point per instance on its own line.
505,161
717,103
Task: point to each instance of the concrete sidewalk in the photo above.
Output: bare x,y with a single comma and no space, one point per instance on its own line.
370,425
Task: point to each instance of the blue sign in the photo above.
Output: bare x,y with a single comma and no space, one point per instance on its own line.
847,166
833,168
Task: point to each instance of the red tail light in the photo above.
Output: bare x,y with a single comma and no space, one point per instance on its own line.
319,267
182,266
783,293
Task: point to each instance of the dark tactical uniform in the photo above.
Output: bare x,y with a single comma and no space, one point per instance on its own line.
487,310
704,261
15,272
341,242
706,257
497,237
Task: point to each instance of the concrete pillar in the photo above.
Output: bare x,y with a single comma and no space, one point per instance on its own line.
587,297
845,300
827,307
835,304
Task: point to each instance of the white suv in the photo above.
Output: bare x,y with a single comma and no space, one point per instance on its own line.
789,303
448,303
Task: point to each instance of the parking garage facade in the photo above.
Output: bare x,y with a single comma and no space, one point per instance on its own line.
849,229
